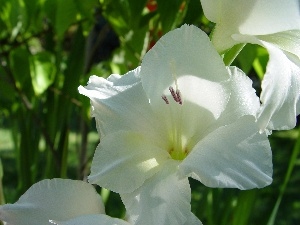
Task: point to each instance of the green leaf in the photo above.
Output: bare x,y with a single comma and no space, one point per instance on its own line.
43,71
117,12
6,88
12,14
136,9
136,45
194,12
20,67
247,57
50,8
283,189
168,11
65,16
32,16
74,69
87,8
244,207
261,61
232,53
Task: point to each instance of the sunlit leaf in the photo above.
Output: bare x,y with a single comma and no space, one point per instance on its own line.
43,70
246,57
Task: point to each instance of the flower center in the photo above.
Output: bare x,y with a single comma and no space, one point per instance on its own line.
178,145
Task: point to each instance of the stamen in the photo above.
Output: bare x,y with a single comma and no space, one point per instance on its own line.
165,99
172,91
178,94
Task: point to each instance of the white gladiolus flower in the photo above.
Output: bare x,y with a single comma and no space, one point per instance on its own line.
58,201
181,114
275,25
63,202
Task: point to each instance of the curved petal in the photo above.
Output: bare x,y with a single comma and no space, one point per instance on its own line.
163,199
271,16
124,160
92,220
258,17
280,92
280,85
119,103
58,199
184,54
243,99
212,9
233,156
288,41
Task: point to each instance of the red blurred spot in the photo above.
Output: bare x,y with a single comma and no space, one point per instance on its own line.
151,5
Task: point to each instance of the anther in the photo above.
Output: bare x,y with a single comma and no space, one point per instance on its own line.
178,97
171,89
165,99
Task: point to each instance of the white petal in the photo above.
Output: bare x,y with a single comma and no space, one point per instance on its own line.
177,61
92,220
257,17
56,199
124,160
288,41
233,156
206,104
193,220
212,9
243,99
280,91
270,16
163,199
181,57
120,103
281,82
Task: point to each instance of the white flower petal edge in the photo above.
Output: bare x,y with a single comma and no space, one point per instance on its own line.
163,199
243,102
288,41
281,82
258,17
124,160
92,220
193,220
280,92
243,99
56,199
236,155
114,112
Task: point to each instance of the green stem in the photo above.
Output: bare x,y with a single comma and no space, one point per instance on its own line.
286,180
230,56
2,199
246,201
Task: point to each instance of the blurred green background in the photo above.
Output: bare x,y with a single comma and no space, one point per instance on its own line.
50,47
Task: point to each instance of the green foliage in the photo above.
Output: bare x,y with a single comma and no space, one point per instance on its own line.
50,47
168,12
42,71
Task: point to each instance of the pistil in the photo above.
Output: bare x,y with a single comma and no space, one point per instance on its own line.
176,150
